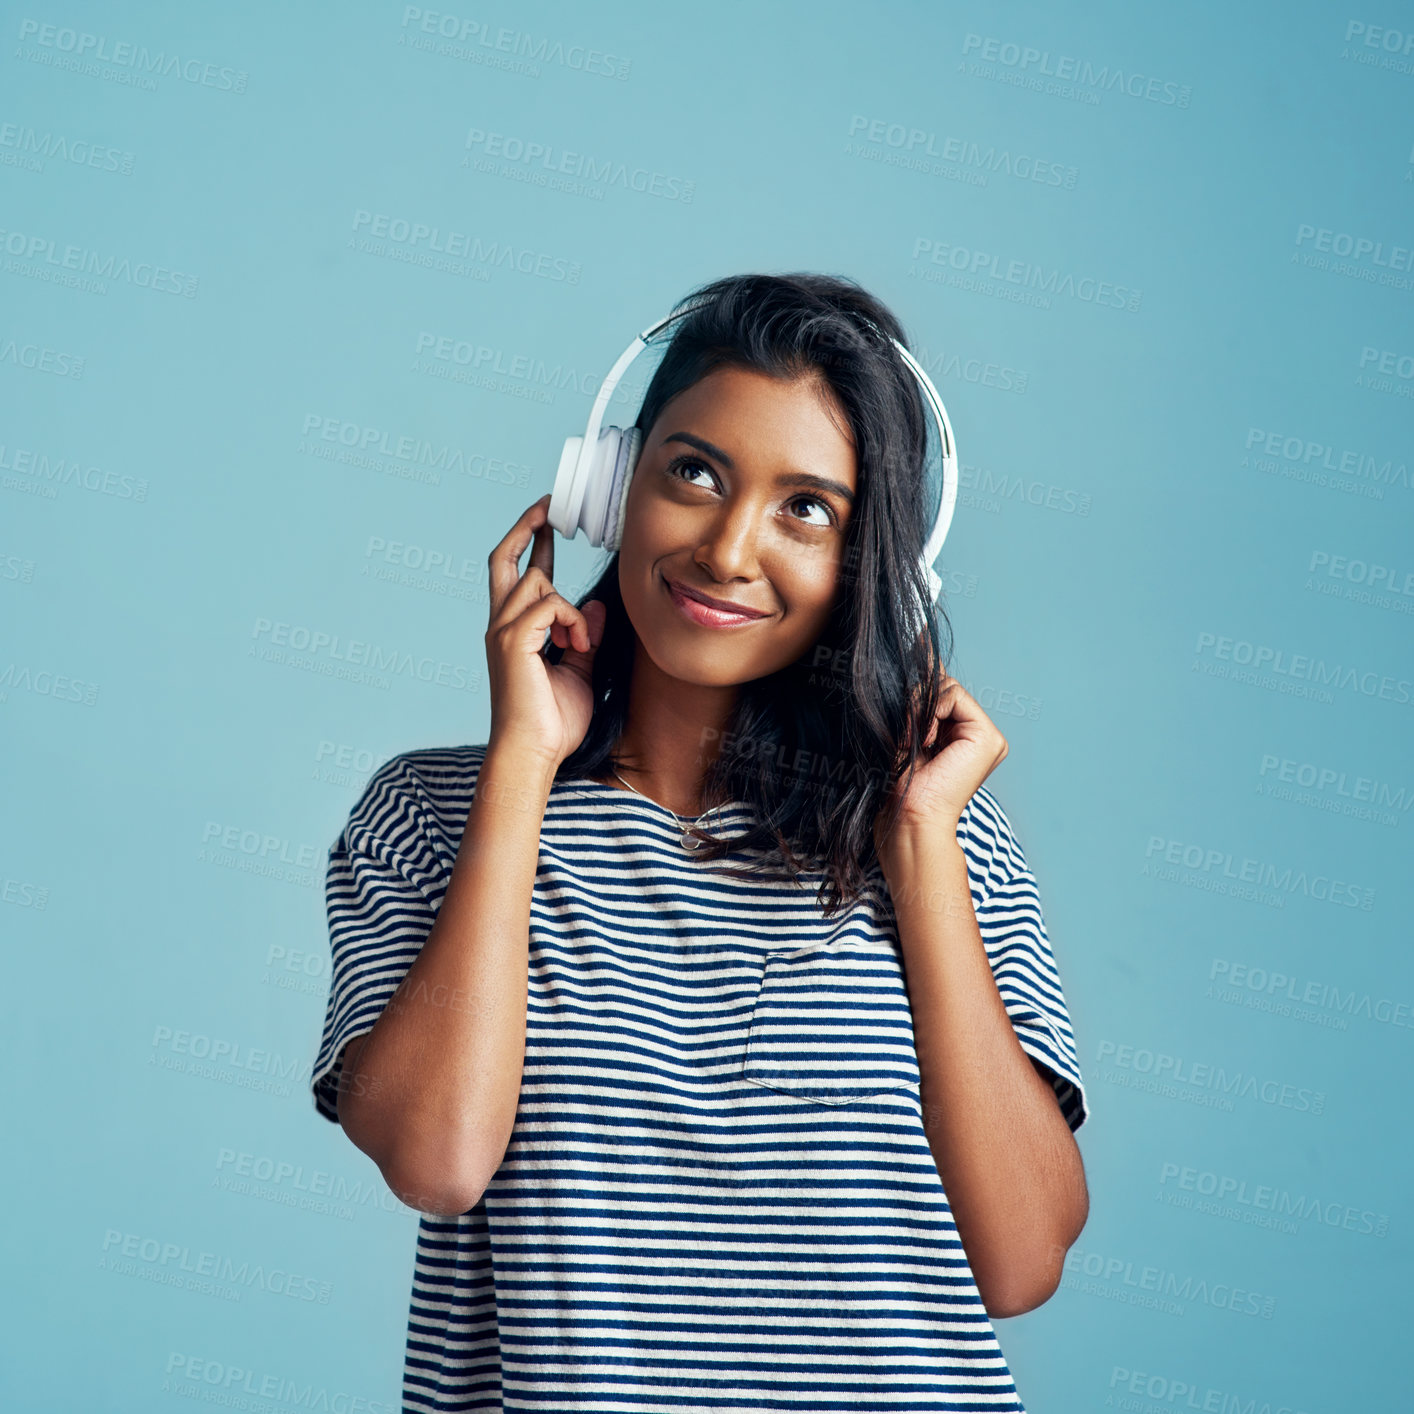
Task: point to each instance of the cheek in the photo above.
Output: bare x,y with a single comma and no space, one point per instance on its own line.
648,522
809,582
642,547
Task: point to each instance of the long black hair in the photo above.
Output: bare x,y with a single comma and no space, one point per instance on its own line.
815,747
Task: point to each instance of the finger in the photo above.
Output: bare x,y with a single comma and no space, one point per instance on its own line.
542,550
567,625
962,706
504,560
563,636
595,614
529,589
933,730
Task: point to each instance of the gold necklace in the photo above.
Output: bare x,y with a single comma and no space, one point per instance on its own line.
687,840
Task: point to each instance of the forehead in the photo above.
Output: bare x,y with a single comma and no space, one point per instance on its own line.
744,410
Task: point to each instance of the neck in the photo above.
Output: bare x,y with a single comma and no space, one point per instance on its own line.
673,734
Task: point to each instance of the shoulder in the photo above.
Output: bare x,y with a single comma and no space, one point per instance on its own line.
424,792
993,850
436,770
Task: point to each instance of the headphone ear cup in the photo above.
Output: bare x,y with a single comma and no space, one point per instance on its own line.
566,499
630,445
598,482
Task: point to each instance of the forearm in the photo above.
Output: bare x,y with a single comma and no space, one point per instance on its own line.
430,1093
1007,1158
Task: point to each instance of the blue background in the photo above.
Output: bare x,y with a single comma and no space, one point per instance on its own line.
1179,575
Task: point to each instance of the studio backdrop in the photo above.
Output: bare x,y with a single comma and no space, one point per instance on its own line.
297,305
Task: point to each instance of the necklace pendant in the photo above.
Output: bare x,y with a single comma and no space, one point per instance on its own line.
687,840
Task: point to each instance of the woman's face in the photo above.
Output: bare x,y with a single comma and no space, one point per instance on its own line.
742,493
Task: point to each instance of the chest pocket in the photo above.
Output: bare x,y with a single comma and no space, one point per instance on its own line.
832,1025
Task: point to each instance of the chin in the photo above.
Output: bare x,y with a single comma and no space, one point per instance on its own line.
702,665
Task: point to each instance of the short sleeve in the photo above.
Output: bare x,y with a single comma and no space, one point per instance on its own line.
382,892
1013,929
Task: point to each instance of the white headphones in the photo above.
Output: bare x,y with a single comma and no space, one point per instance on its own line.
591,484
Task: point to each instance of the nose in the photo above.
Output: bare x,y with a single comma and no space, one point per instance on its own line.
730,548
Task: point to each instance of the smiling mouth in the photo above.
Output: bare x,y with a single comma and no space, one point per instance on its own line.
706,615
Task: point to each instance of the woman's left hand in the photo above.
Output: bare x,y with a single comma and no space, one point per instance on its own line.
941,787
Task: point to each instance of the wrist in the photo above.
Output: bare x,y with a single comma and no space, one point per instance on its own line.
928,873
508,769
921,845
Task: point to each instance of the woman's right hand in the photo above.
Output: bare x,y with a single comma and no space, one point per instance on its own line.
535,707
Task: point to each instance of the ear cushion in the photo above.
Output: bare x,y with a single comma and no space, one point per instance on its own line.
598,479
629,445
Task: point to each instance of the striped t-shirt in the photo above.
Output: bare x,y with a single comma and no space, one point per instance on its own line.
718,1193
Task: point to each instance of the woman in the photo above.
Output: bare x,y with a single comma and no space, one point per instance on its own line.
706,1011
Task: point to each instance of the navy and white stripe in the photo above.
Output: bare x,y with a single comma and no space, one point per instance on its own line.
718,1193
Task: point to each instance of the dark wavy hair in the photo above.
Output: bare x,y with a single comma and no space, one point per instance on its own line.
850,714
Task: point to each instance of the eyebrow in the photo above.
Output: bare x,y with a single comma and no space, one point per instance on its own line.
789,478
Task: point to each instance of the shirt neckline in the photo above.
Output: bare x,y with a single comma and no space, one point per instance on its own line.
669,818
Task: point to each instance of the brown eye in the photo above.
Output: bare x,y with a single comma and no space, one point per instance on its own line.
679,463
815,501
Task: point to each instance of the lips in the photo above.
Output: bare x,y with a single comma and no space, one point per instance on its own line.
703,609
725,605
